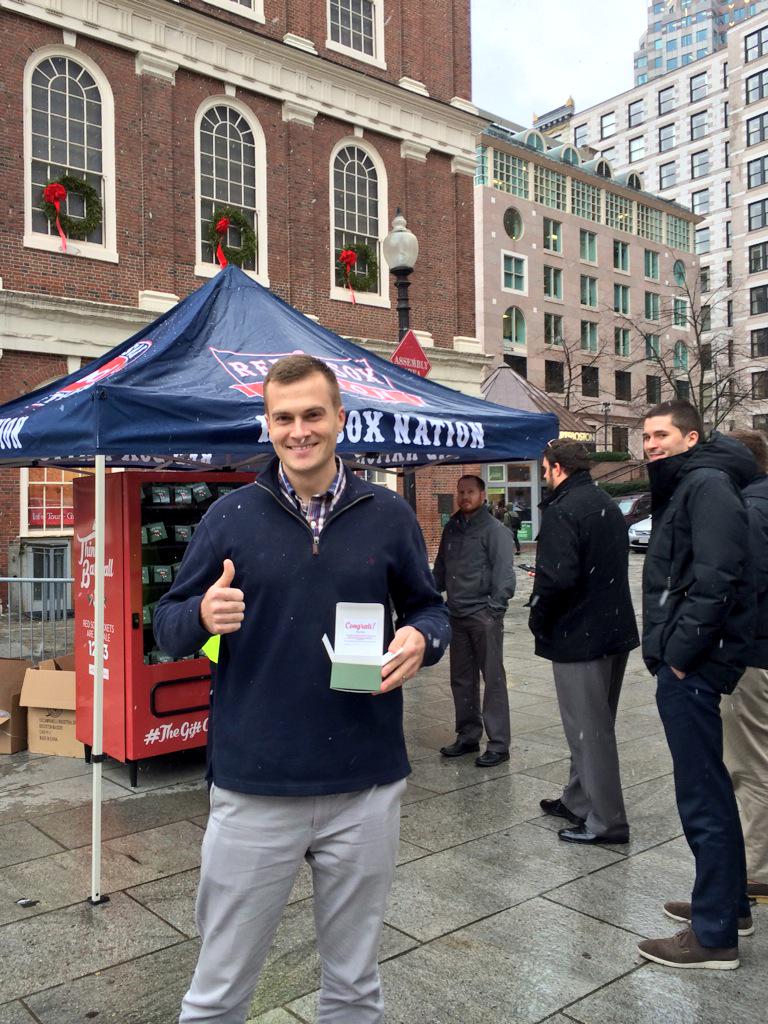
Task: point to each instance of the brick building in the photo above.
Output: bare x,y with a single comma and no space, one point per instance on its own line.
578,284
314,120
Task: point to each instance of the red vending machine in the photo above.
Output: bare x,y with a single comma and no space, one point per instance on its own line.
153,704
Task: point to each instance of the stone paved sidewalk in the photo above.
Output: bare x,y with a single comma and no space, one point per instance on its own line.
492,920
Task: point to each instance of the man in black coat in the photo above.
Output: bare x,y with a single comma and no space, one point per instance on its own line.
584,623
745,711
698,624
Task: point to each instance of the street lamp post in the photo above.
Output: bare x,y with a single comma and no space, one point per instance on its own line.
401,250
606,408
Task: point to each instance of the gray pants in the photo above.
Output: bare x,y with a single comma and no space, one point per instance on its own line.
588,695
252,851
477,646
745,732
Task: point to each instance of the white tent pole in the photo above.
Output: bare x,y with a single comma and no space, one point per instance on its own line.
98,679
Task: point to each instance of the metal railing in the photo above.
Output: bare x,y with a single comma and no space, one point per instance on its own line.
36,617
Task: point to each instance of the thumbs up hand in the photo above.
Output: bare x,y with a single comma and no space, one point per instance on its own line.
223,607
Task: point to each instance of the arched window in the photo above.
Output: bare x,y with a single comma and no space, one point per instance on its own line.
227,178
359,211
681,355
513,328
69,131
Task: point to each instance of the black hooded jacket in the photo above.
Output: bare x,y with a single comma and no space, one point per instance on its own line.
581,608
698,589
756,496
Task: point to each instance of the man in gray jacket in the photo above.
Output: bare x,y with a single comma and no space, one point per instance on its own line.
475,567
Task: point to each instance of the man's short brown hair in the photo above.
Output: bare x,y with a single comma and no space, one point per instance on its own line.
476,480
569,455
757,444
685,417
291,369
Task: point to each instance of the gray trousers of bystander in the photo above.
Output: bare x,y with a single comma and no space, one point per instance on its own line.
477,646
588,695
745,736
252,851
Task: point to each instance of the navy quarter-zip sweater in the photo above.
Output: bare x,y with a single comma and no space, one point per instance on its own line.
276,726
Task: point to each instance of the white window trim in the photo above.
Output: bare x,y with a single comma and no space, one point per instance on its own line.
380,298
33,532
107,251
260,147
256,13
680,327
517,291
377,58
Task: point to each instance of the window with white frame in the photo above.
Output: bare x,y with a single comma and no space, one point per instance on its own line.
513,273
253,9
679,233
553,282
356,27
680,313
588,336
585,200
46,500
357,208
622,341
649,222
588,290
69,132
549,187
229,167
618,212
510,173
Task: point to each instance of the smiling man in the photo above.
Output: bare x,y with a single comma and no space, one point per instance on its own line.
698,622
300,772
475,566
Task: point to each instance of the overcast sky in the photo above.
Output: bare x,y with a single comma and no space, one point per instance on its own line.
530,55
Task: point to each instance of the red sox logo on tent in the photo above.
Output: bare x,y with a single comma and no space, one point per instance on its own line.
356,377
101,373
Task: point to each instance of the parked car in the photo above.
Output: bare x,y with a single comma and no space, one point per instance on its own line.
634,507
640,534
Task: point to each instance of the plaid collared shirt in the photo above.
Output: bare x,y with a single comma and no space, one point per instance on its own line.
319,506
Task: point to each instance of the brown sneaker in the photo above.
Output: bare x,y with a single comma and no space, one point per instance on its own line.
758,891
684,950
679,911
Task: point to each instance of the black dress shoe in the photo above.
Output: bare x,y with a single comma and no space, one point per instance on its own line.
458,748
585,837
491,758
558,810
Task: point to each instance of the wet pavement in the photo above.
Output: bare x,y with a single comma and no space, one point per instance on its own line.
492,919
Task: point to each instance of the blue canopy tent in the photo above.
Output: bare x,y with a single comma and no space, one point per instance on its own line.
191,382
186,392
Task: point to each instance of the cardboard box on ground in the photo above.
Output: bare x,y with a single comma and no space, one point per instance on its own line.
13,717
48,694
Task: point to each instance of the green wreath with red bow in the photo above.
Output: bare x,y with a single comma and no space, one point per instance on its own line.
365,255
55,193
222,219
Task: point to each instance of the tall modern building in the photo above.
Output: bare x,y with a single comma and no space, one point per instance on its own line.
699,135
682,31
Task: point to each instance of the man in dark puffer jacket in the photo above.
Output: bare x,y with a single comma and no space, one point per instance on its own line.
698,622
745,711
